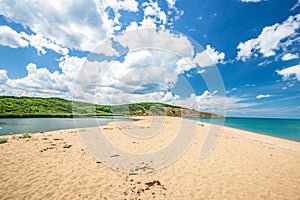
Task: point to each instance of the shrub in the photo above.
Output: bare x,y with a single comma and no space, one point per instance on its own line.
3,140
26,135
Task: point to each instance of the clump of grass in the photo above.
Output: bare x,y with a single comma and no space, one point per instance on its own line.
26,135
3,140
12,134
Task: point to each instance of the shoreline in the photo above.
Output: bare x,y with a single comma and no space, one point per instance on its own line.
265,134
138,117
253,131
241,165
262,137
246,133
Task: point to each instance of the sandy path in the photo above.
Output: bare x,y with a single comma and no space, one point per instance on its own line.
243,165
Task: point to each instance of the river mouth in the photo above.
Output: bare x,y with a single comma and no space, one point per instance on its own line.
35,125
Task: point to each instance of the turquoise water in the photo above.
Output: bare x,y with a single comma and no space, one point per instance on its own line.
32,125
282,128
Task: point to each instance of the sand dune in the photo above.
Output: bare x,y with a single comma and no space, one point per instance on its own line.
242,165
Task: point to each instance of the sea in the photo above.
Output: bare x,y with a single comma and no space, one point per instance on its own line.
282,128
34,125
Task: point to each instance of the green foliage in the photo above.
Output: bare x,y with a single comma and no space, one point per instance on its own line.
26,135
103,109
48,107
56,107
3,140
27,106
137,110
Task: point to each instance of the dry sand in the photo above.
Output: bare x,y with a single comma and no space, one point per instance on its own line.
242,165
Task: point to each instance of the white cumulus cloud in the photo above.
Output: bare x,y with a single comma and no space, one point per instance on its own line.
3,76
289,72
251,1
11,38
75,24
260,96
156,16
38,82
41,43
206,58
116,5
289,56
212,102
151,38
171,3
149,71
77,80
152,9
209,57
269,40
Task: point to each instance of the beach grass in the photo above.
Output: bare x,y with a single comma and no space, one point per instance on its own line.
26,135
3,140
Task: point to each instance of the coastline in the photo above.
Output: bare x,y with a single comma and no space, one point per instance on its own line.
282,131
262,137
242,164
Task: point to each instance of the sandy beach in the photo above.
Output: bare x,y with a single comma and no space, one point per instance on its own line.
242,165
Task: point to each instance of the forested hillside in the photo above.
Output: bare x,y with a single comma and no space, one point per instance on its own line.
58,107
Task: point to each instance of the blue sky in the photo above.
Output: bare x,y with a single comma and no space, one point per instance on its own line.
239,57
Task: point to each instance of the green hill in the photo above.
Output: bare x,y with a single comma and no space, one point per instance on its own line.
56,107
